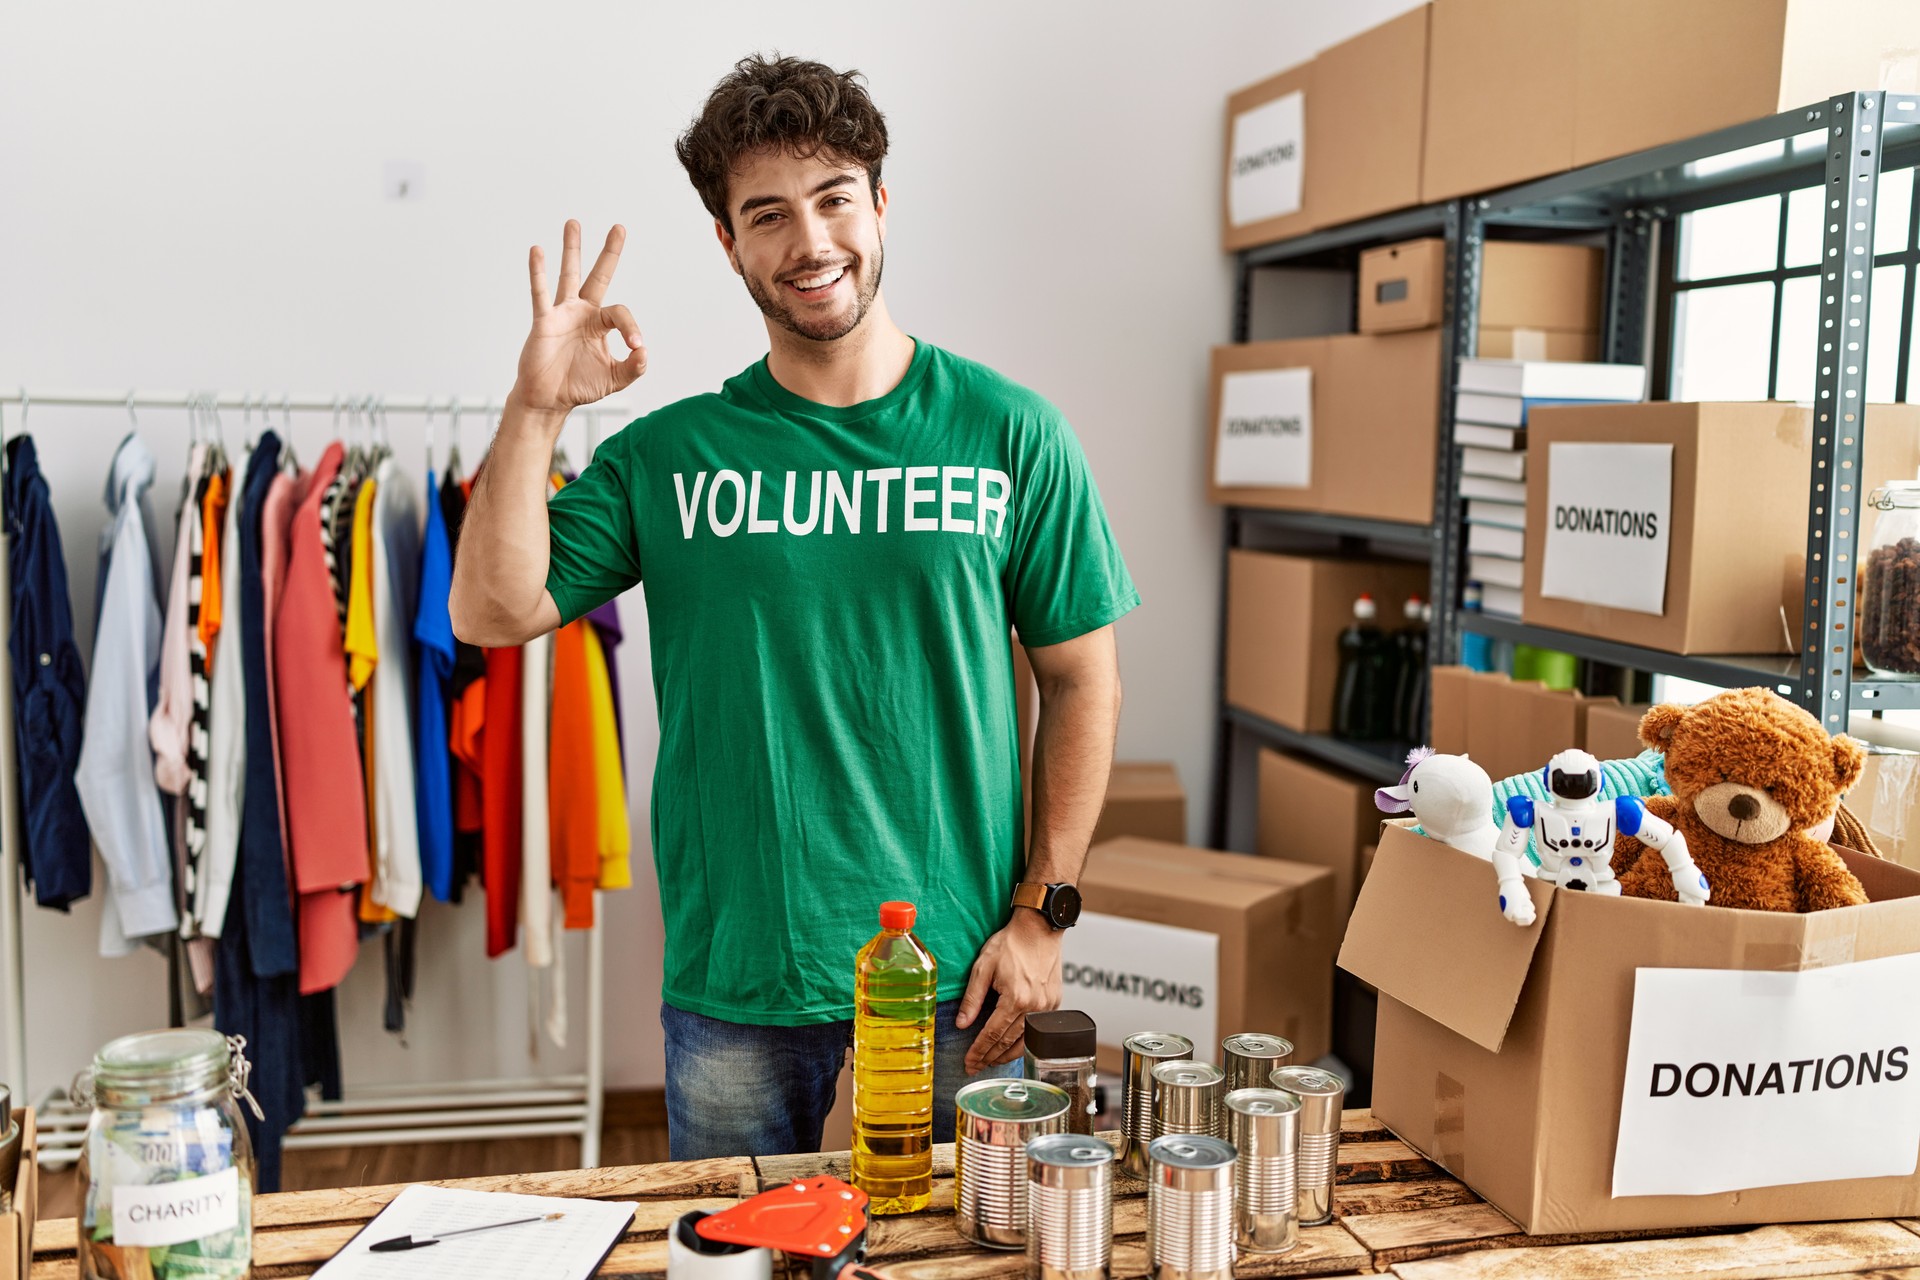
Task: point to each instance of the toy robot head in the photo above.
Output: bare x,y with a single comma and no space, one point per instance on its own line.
1572,775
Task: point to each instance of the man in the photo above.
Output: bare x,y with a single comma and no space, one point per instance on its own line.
832,548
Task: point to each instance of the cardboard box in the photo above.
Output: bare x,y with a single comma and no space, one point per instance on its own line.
1143,800
1502,1051
1367,853
1516,726
1448,690
1648,72
1311,354
16,1225
1319,816
1535,289
1365,129
1379,426
1537,344
1613,730
1499,109
1284,618
1255,146
1737,526
1275,924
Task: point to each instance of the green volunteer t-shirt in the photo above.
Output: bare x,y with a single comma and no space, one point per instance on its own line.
829,592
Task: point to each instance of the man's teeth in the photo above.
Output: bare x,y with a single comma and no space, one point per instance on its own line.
815,282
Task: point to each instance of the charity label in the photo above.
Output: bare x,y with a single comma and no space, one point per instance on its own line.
1609,509
164,1213
1132,973
1739,1078
1265,429
1263,174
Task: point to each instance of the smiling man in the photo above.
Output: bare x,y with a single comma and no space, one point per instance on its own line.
833,548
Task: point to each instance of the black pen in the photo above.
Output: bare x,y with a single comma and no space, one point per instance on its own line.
400,1243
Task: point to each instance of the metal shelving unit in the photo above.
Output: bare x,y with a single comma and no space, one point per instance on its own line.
1842,144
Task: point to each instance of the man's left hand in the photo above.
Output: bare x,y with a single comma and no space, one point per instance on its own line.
1022,963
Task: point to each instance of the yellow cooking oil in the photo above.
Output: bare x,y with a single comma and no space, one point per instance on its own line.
894,996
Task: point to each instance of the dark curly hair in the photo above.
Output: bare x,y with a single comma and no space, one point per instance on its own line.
804,108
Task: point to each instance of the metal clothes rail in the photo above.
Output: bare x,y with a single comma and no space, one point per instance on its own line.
569,1105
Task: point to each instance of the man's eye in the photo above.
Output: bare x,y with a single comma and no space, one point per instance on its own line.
764,219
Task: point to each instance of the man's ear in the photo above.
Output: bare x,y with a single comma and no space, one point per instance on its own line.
726,244
880,208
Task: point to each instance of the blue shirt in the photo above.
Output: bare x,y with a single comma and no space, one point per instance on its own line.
433,770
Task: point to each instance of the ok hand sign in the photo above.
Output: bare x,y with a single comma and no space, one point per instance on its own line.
565,362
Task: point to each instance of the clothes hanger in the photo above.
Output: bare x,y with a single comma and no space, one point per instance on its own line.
429,435
453,439
288,458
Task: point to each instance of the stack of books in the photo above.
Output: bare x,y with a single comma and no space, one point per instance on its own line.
1490,408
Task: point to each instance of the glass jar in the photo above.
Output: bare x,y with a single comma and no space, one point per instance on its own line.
167,1162
1888,595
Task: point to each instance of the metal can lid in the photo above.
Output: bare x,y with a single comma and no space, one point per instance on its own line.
1262,1102
1308,1082
1183,1071
1068,1151
1191,1151
1004,1099
1256,1044
1160,1044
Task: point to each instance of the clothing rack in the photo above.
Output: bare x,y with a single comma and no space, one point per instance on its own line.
444,1111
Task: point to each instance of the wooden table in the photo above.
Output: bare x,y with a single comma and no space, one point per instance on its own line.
1396,1213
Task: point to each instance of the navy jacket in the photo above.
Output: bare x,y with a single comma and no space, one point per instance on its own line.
49,689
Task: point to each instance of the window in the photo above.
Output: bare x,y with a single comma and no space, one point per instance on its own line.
1746,297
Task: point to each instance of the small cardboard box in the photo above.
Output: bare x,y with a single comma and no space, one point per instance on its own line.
1380,425
1535,289
1502,1051
1276,933
1650,71
1318,816
1613,730
1310,354
1284,618
1145,800
1489,57
1516,726
1737,525
16,1225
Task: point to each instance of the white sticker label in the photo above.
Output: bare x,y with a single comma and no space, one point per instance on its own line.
1265,429
1264,177
165,1213
1740,1079
1143,977
1608,518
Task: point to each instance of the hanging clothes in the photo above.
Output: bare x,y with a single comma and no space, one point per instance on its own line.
615,835
467,702
497,735
326,813
114,776
49,689
257,965
433,732
362,644
395,544
286,490
226,709
606,621
210,501
536,864
172,713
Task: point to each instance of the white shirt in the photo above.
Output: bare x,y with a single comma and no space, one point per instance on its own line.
397,879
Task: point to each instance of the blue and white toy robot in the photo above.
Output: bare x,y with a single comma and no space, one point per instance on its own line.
1573,835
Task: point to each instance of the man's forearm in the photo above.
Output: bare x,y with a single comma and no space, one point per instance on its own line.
1072,758
500,574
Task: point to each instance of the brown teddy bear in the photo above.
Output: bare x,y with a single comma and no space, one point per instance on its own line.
1750,773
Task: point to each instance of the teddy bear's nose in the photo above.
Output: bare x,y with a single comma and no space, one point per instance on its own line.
1744,808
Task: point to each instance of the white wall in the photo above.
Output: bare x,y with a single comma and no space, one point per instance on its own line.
195,198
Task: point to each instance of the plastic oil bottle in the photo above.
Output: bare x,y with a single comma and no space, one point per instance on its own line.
894,996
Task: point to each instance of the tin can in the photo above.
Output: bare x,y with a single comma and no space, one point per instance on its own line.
1264,1127
1250,1059
1186,1098
1321,1098
1190,1208
1069,1208
1140,1054
993,1122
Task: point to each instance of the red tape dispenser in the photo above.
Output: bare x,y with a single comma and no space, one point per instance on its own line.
822,1219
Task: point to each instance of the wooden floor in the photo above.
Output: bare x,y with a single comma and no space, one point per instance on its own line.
620,1144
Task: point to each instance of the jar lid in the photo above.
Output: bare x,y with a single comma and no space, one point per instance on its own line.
1254,1044
149,1057
1191,1151
1069,1151
1012,1100
1061,1033
1895,493
1192,1074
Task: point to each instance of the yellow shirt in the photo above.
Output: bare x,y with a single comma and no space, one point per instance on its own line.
363,651
609,776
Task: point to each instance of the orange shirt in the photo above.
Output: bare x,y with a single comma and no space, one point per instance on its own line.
573,803
213,512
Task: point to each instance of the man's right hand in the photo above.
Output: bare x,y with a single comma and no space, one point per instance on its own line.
565,362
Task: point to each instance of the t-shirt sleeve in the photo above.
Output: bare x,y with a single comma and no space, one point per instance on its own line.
1064,575
594,543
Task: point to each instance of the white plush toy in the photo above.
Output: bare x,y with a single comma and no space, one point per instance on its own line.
1452,798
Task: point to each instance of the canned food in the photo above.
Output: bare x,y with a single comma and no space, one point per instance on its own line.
1186,1098
1321,1096
1264,1127
1140,1054
993,1122
1190,1208
1069,1208
1250,1058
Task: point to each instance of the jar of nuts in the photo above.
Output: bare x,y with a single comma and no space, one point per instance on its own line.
1888,597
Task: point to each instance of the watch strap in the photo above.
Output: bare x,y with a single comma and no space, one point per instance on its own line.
1032,895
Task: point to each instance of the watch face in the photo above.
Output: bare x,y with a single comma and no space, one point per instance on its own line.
1063,906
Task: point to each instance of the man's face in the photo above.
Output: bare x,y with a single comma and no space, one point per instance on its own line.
807,241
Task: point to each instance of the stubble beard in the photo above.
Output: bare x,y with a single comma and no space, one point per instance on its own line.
774,306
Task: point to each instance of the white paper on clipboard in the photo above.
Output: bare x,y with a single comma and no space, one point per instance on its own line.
571,1248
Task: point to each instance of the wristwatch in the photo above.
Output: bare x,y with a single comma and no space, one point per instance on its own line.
1059,903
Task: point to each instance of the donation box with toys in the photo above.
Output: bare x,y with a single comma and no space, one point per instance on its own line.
1629,1061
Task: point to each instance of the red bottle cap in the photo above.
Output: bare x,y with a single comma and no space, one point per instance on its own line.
897,916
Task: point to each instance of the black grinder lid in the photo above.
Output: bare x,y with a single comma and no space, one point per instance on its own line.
1061,1033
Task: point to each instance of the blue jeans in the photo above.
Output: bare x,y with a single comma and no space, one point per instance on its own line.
740,1090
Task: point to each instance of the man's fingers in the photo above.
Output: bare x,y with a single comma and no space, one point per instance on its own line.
1006,1024
620,320
979,982
569,264
594,288
537,272
627,371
